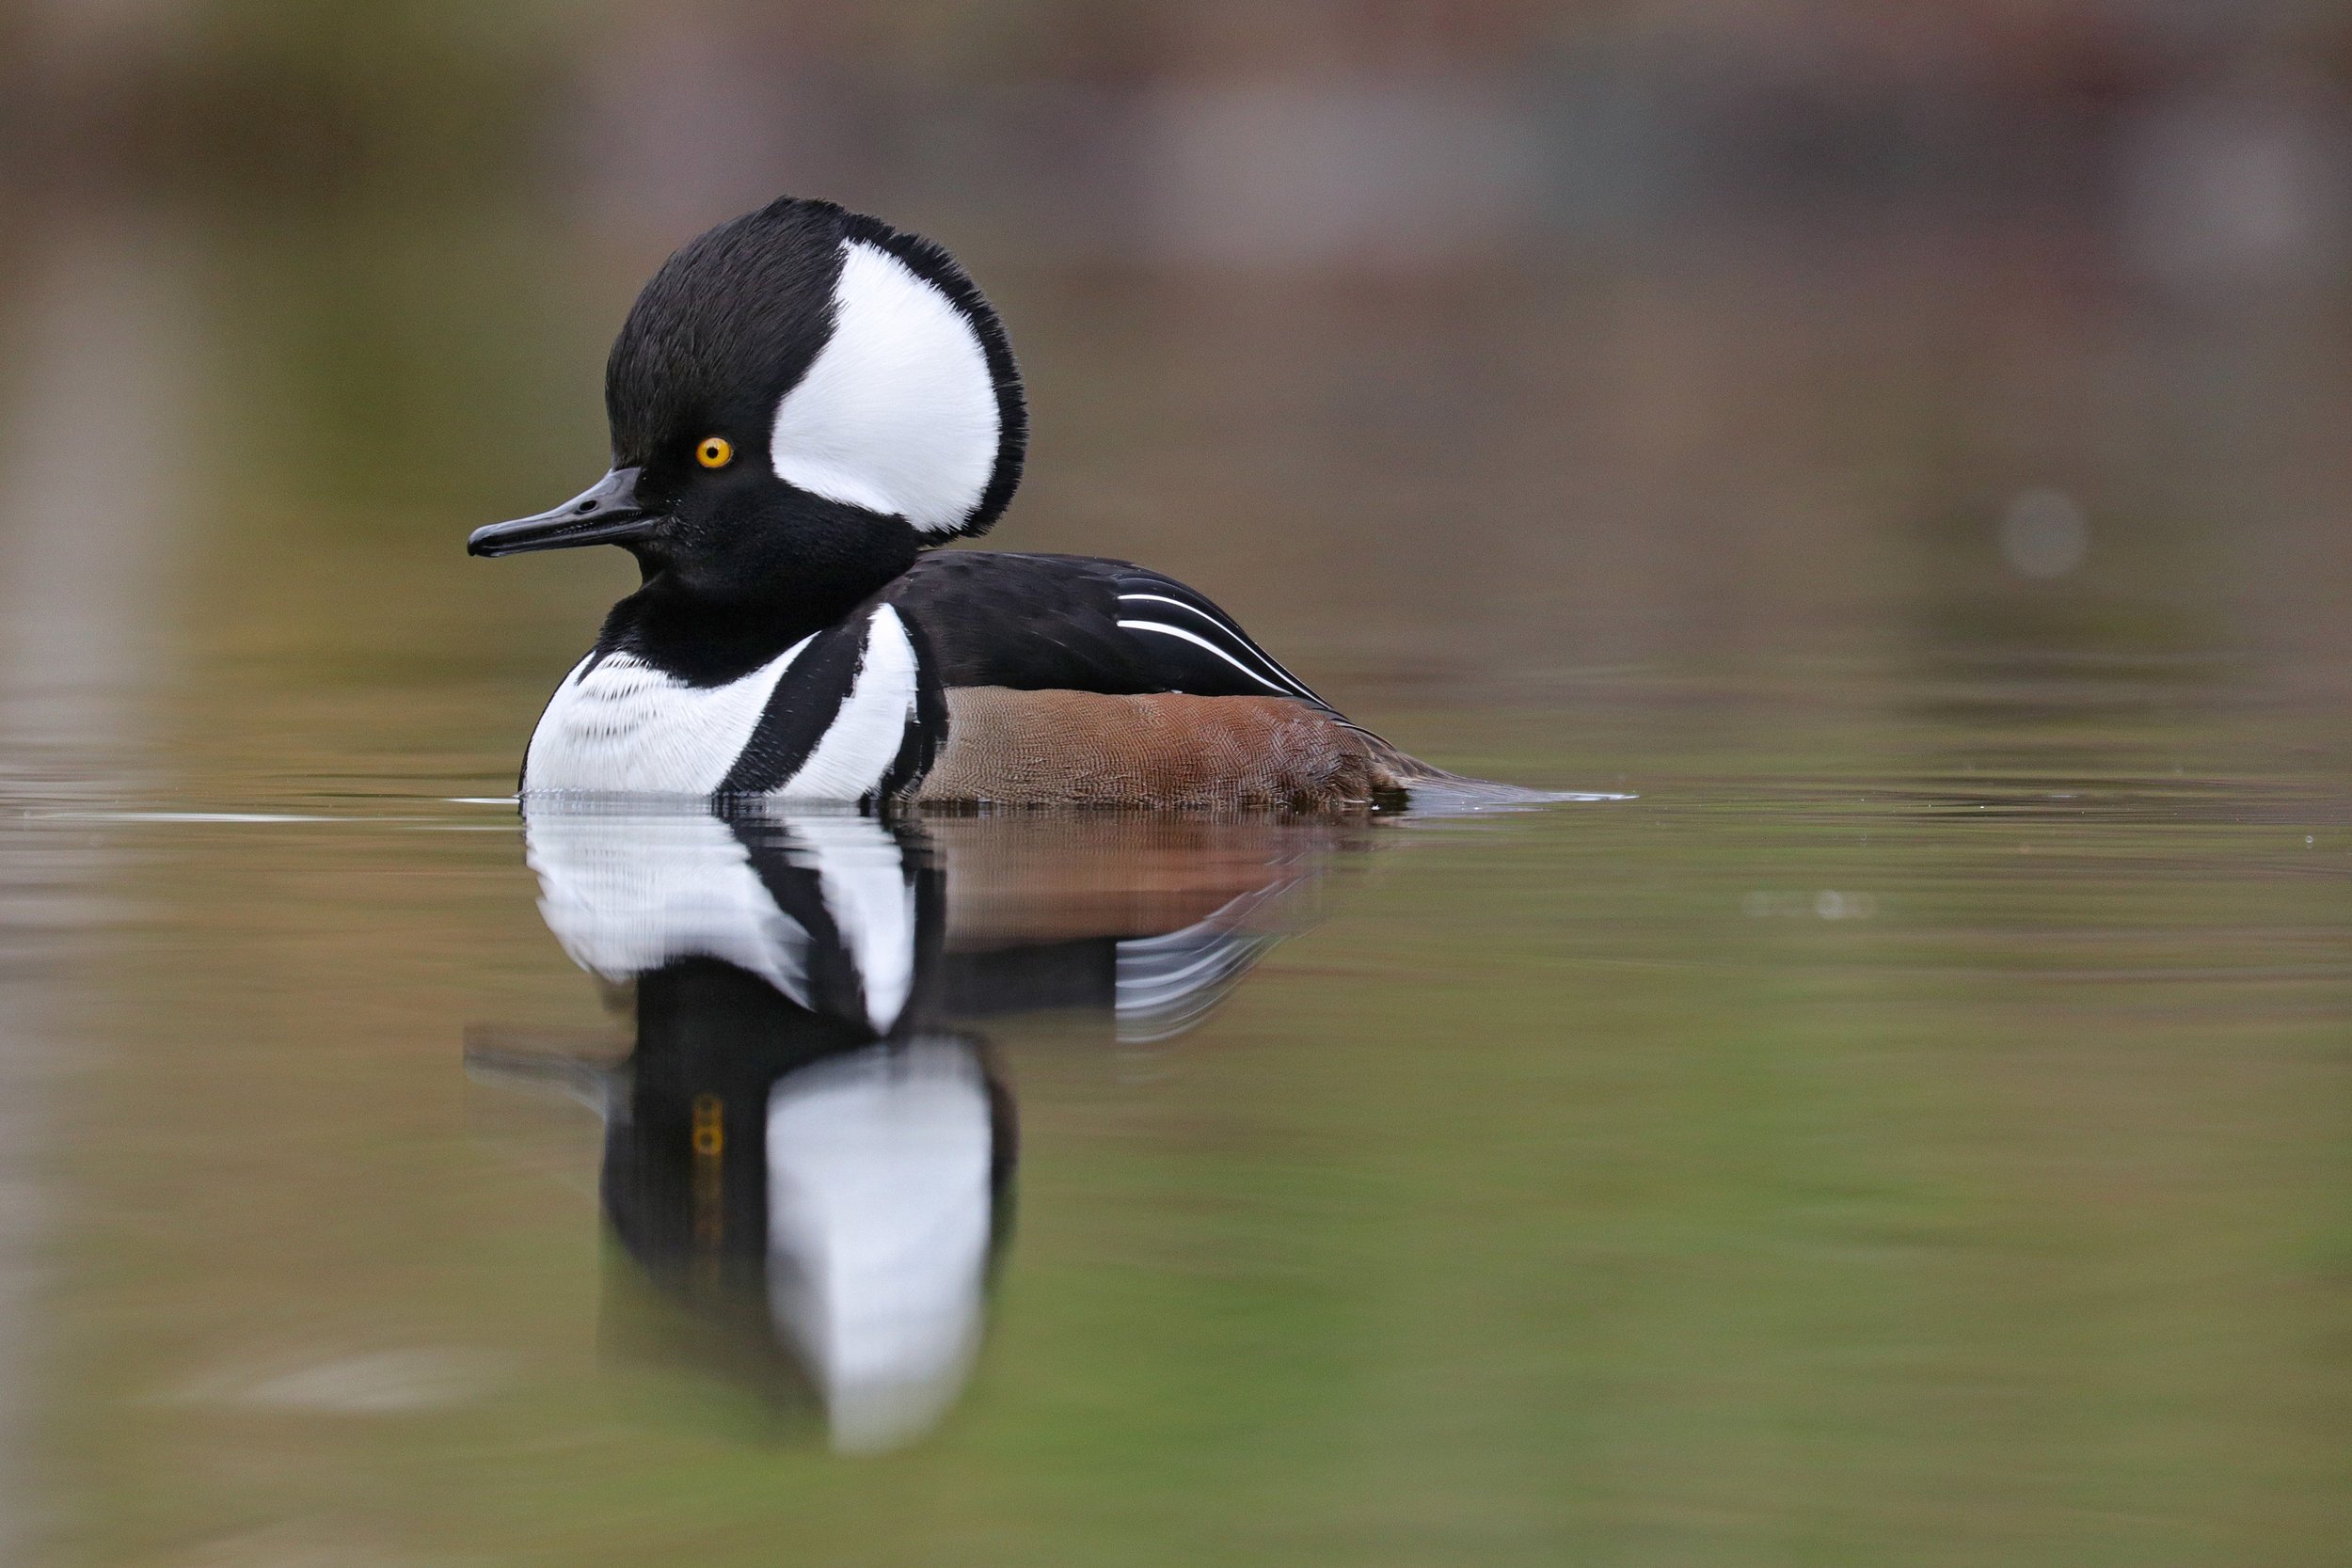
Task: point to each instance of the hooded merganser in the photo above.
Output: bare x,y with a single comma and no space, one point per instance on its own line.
803,402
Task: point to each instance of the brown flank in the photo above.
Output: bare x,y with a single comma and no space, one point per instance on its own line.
1014,747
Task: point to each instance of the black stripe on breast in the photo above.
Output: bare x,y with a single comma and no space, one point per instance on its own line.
790,871
807,701
827,968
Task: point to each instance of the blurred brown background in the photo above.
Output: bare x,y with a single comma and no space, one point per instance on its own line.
1465,347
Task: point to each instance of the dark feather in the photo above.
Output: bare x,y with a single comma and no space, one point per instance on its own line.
1042,623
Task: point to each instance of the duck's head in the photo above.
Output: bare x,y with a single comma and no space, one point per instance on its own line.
800,400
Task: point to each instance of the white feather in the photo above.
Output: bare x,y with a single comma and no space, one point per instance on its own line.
1195,637
1222,630
849,760
898,414
625,727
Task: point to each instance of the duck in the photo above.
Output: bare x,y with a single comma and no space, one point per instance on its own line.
805,405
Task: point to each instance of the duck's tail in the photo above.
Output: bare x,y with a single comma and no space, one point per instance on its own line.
1407,783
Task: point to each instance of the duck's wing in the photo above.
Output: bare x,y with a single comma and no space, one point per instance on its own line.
1066,623
1070,681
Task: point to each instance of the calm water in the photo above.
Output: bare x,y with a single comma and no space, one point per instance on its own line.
1912,1129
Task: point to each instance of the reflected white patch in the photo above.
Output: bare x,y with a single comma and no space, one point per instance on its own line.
878,1224
898,413
625,897
1164,985
862,873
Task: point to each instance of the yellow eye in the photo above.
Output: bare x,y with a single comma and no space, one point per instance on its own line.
716,452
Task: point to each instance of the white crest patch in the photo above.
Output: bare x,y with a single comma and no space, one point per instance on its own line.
898,414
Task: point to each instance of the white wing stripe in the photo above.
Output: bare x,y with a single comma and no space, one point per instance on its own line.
1179,631
1264,660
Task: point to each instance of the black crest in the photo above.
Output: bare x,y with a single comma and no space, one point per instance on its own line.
734,319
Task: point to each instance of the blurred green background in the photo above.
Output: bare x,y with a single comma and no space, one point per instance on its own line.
1905,446
1471,345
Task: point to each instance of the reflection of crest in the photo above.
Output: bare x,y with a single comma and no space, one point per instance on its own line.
879,1204
807,1148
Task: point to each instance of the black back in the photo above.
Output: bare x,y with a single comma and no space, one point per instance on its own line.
1041,622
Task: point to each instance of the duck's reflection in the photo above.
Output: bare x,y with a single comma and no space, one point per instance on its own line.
808,1148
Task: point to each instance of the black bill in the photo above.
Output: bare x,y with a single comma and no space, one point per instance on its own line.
607,513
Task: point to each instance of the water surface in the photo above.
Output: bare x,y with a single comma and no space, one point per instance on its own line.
1911,1129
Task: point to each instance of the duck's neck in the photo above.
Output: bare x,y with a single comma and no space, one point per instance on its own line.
708,643
711,628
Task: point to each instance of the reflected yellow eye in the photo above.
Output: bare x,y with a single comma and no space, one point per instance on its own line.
716,452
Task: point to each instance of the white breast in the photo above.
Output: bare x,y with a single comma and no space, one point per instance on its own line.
619,726
625,727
